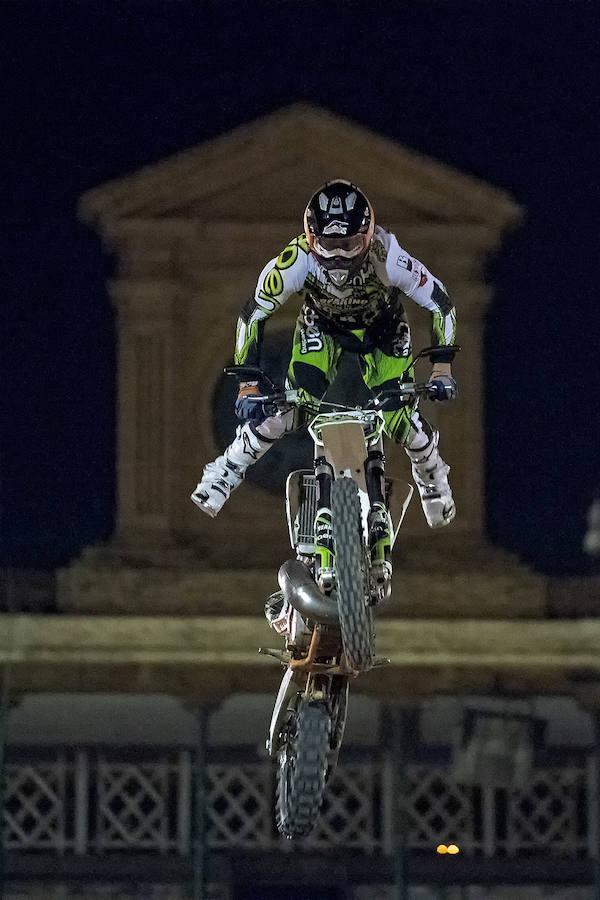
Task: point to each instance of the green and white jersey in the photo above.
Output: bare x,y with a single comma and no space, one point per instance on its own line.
364,299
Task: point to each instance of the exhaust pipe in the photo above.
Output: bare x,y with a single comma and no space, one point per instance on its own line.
300,590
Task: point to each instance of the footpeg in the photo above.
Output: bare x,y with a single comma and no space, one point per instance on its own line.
282,655
380,661
381,582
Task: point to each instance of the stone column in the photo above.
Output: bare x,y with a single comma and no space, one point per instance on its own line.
461,423
466,426
146,312
455,253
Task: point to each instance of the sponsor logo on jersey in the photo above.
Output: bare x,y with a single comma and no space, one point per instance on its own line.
358,304
405,262
310,335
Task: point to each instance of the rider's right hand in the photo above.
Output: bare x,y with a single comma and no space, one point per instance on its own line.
443,387
246,408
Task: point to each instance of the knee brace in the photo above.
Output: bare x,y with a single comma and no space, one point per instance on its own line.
275,426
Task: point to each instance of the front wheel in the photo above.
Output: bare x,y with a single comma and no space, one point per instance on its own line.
354,613
303,763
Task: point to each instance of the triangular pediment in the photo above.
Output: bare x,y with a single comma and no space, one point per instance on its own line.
266,170
281,193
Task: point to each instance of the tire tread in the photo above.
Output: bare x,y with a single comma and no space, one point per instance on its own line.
355,616
299,800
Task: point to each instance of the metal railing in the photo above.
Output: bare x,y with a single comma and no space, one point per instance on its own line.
97,801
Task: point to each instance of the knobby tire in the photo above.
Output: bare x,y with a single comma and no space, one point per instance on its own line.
303,762
355,616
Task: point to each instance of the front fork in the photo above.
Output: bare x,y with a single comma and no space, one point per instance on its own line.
324,560
378,524
380,537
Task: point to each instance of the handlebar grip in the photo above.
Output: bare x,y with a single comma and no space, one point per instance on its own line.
271,403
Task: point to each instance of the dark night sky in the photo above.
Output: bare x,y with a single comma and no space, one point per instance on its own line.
504,90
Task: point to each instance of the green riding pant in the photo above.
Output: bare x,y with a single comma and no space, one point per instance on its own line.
313,367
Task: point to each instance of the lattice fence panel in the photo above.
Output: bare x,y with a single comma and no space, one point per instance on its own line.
546,814
133,806
34,806
239,805
147,806
439,810
348,814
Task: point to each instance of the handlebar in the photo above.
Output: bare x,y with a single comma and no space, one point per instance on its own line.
280,401
283,401
410,391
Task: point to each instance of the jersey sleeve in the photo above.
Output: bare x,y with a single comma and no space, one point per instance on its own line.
281,277
417,282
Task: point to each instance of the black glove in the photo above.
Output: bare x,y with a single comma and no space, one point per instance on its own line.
445,387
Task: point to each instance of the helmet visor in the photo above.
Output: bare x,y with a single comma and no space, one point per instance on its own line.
348,247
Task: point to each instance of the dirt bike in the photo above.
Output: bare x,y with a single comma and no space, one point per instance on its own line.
344,516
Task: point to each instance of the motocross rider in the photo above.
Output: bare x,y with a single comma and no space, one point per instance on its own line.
352,276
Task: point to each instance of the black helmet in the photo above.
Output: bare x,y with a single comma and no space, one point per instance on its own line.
339,224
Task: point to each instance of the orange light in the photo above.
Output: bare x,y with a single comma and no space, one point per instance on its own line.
441,849
453,849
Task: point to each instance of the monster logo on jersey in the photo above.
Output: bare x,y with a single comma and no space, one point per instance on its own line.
356,305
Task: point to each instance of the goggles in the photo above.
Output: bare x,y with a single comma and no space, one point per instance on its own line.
348,247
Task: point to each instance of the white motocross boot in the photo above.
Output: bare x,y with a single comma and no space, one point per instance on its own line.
430,474
222,476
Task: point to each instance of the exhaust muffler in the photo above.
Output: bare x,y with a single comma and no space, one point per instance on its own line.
301,592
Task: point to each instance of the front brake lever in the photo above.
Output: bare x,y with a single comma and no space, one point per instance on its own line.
380,400
252,373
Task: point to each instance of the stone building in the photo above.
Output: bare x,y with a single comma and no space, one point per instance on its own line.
190,235
164,620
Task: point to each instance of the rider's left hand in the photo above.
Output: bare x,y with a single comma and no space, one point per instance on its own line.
443,382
